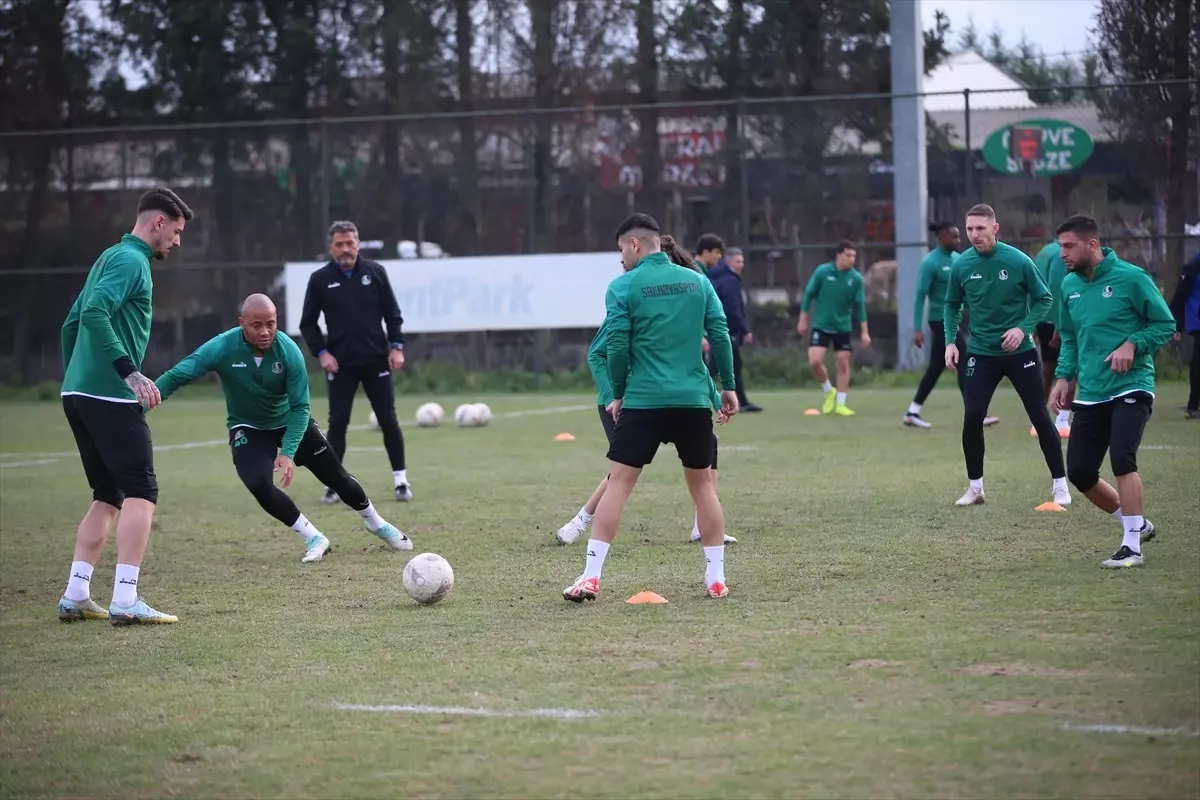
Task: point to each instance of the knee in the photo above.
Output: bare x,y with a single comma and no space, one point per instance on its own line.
1122,464
973,416
258,484
816,360
1083,478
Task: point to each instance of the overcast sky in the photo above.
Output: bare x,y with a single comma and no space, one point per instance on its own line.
1056,26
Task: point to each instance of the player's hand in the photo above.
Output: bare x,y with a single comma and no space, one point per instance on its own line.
1178,336
1056,340
288,466
919,338
144,389
1012,339
1060,394
748,338
395,359
865,338
1121,359
614,409
329,363
729,404
722,417
704,345
951,356
802,326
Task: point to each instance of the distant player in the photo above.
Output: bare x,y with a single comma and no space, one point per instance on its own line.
356,297
1053,269
105,398
710,250
265,383
657,313
1112,321
932,279
597,363
1005,296
837,289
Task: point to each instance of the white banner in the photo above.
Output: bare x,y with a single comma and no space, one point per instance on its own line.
445,295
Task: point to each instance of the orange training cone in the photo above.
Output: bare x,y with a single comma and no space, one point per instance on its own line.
564,437
812,412
1050,506
646,597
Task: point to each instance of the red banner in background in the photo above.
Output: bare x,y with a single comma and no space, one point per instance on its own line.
691,149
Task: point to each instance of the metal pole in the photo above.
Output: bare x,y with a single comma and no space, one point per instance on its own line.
909,180
326,157
969,170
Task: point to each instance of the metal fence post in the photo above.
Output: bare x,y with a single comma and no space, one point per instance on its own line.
969,169
326,157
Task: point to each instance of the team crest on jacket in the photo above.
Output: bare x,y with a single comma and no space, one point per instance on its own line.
277,368
1107,292
366,280
1003,274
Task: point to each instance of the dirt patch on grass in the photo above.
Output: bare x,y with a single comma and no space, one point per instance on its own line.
998,708
872,663
1018,670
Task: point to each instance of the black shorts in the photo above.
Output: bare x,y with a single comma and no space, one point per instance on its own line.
837,341
607,421
1045,333
253,443
1114,427
640,431
114,445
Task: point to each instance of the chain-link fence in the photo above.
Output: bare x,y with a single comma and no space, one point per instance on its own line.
784,179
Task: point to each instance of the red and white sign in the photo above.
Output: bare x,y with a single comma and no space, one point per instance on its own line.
691,151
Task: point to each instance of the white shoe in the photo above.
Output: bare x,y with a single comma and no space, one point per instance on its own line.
1062,497
1124,557
915,421
568,533
973,497
990,421
695,537
315,548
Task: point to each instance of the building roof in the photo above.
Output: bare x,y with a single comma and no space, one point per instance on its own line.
969,70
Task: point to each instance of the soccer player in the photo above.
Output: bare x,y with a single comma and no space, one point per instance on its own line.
105,398
837,289
1051,267
1185,304
597,364
657,312
710,250
1005,296
1112,321
265,383
932,278
356,297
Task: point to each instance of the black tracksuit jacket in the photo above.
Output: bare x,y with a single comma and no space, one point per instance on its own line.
356,308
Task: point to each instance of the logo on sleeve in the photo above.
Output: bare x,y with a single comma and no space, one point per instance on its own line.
333,285
366,280
1003,274
277,368
1073,296
975,276
1107,292
238,364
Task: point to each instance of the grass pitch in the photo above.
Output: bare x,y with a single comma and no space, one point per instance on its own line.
877,640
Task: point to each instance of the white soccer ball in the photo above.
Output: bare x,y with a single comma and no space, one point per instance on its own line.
372,421
483,414
430,415
466,415
428,578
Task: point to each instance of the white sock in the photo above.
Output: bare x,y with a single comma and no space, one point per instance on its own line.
841,398
305,529
914,409
826,387
399,477
584,516
371,517
125,585
597,551
977,484
714,565
1060,483
1133,533
1119,517
1063,419
79,583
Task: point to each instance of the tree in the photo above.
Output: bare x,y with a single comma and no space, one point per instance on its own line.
1151,40
647,79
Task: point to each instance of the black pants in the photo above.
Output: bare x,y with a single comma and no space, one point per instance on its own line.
254,454
376,379
981,376
1194,374
937,361
738,381
114,446
1115,428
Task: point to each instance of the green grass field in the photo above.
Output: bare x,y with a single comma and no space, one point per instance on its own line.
877,642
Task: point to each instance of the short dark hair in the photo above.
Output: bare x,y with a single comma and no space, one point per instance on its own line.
160,198
1079,224
710,242
342,226
844,245
636,221
938,227
981,210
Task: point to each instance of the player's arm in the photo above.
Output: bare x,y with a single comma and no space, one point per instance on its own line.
391,312
117,283
202,361
299,412
924,281
952,308
310,326
1041,301
617,340
1159,325
70,332
1068,348
811,290
716,329
597,360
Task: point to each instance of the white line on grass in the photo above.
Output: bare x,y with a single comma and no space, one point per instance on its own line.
551,713
1134,729
166,448
39,462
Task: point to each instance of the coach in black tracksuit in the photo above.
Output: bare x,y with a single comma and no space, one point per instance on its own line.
357,299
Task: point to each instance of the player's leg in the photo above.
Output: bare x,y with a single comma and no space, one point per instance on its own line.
635,441
92,534
695,537
691,431
816,362
961,376
937,365
1193,404
568,533
342,386
843,357
1048,354
1130,414
739,382
382,394
315,455
1022,371
1085,453
981,376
